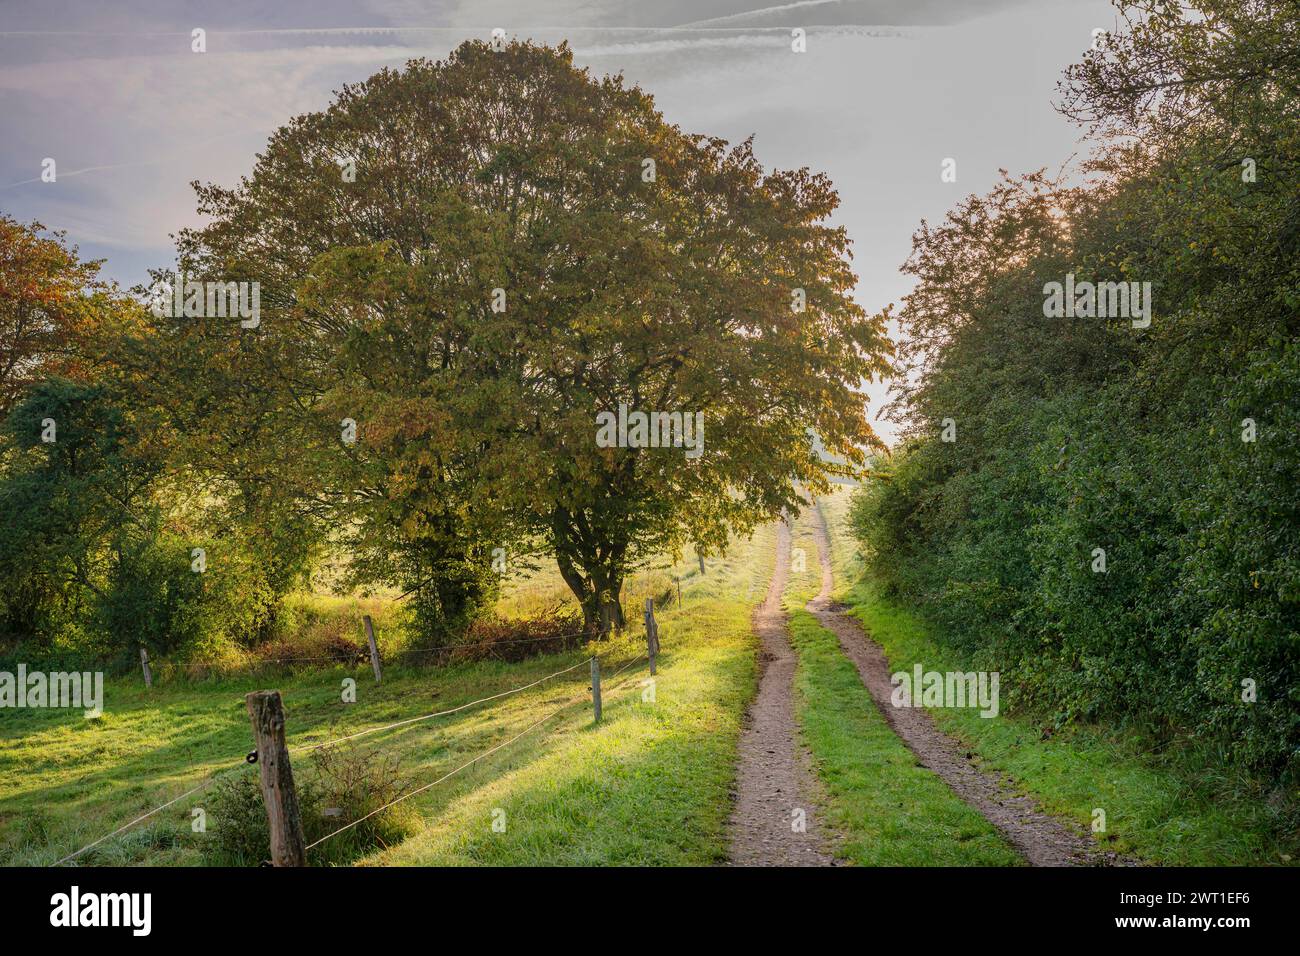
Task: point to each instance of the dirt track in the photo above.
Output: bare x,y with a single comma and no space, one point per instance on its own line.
1043,840
773,779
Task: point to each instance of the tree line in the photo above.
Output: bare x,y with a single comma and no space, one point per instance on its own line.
459,266
1109,512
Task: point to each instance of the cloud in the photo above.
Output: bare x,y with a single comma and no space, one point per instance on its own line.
131,121
836,12
130,134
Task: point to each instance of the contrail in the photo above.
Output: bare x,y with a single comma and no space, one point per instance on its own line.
754,37
751,13
141,162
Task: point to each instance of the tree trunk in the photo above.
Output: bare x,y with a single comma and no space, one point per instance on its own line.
607,606
597,591
593,570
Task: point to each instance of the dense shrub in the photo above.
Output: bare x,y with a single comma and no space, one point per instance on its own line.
1201,533
96,565
1078,434
508,639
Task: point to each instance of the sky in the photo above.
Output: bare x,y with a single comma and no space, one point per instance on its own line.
884,93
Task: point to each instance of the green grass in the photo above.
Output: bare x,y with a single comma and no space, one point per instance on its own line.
885,809
649,784
1180,808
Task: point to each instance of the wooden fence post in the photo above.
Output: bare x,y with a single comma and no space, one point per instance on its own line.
679,590
283,815
651,633
144,666
374,648
595,688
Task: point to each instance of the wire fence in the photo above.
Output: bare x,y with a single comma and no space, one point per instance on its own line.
361,652
469,763
144,816
421,718
662,584
307,748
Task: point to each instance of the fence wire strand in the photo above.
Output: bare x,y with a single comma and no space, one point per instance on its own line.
141,818
445,776
300,748
486,753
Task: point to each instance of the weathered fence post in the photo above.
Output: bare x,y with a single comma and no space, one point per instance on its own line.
679,590
283,815
374,648
144,666
595,688
651,633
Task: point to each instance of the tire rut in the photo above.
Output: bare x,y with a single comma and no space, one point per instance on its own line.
1042,839
773,779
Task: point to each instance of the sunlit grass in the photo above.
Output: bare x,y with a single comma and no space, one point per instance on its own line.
65,780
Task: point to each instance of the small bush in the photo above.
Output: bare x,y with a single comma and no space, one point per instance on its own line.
336,786
237,830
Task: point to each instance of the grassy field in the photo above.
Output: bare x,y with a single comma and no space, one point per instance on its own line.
1178,808
884,808
648,785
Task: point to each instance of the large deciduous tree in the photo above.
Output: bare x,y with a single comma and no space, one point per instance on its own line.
474,259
